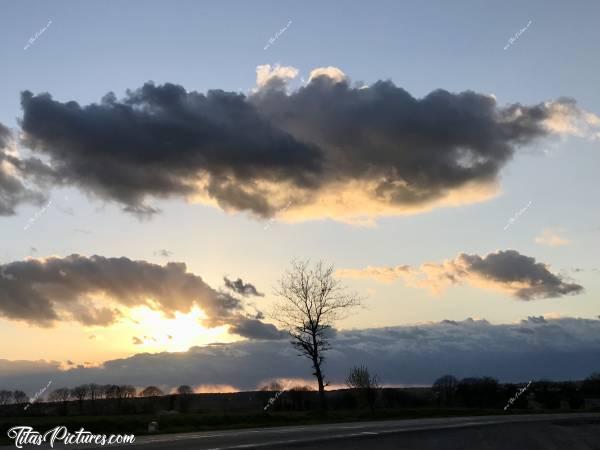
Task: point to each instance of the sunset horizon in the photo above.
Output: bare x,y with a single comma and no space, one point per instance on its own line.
227,197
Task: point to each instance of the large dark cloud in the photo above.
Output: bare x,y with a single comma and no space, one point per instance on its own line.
506,270
245,289
312,149
531,279
12,189
256,329
93,290
161,140
565,348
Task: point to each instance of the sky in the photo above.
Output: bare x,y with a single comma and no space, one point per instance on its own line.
161,164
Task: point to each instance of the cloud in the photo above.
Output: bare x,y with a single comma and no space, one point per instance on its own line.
329,149
136,340
382,274
163,253
13,190
162,141
239,287
333,73
95,290
567,118
266,75
551,238
256,329
536,348
505,271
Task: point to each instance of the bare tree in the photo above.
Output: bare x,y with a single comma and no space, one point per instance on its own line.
184,389
127,391
151,391
445,388
311,301
20,396
111,391
361,380
273,386
80,393
184,397
60,395
96,391
5,397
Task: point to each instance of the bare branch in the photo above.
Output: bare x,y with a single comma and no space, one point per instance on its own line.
311,301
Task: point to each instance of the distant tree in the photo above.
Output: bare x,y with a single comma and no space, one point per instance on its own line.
5,397
95,390
80,393
112,391
184,389
20,397
127,391
273,386
184,393
60,395
445,388
361,380
311,301
151,391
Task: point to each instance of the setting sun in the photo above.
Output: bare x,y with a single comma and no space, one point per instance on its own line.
152,331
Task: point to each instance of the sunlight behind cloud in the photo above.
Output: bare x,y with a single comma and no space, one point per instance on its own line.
158,333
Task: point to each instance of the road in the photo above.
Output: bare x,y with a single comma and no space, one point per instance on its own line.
529,432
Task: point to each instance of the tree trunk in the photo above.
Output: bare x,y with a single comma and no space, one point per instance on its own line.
319,375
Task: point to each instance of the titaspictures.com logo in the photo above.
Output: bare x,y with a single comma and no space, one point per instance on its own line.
25,435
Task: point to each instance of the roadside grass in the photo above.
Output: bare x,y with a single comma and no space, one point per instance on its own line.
181,423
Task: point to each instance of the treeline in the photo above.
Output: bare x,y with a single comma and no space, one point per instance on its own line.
8,397
364,392
487,392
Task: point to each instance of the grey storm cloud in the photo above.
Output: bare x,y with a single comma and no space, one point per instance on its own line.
533,278
91,290
506,270
161,141
245,289
271,148
257,329
13,191
559,349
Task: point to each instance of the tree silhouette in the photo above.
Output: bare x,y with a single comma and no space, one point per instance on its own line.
20,396
95,391
311,301
445,387
360,379
273,386
127,391
60,395
80,393
112,391
152,391
184,389
5,397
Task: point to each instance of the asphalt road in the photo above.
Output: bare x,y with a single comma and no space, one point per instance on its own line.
530,432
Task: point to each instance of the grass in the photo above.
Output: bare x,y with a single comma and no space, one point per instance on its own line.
181,423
